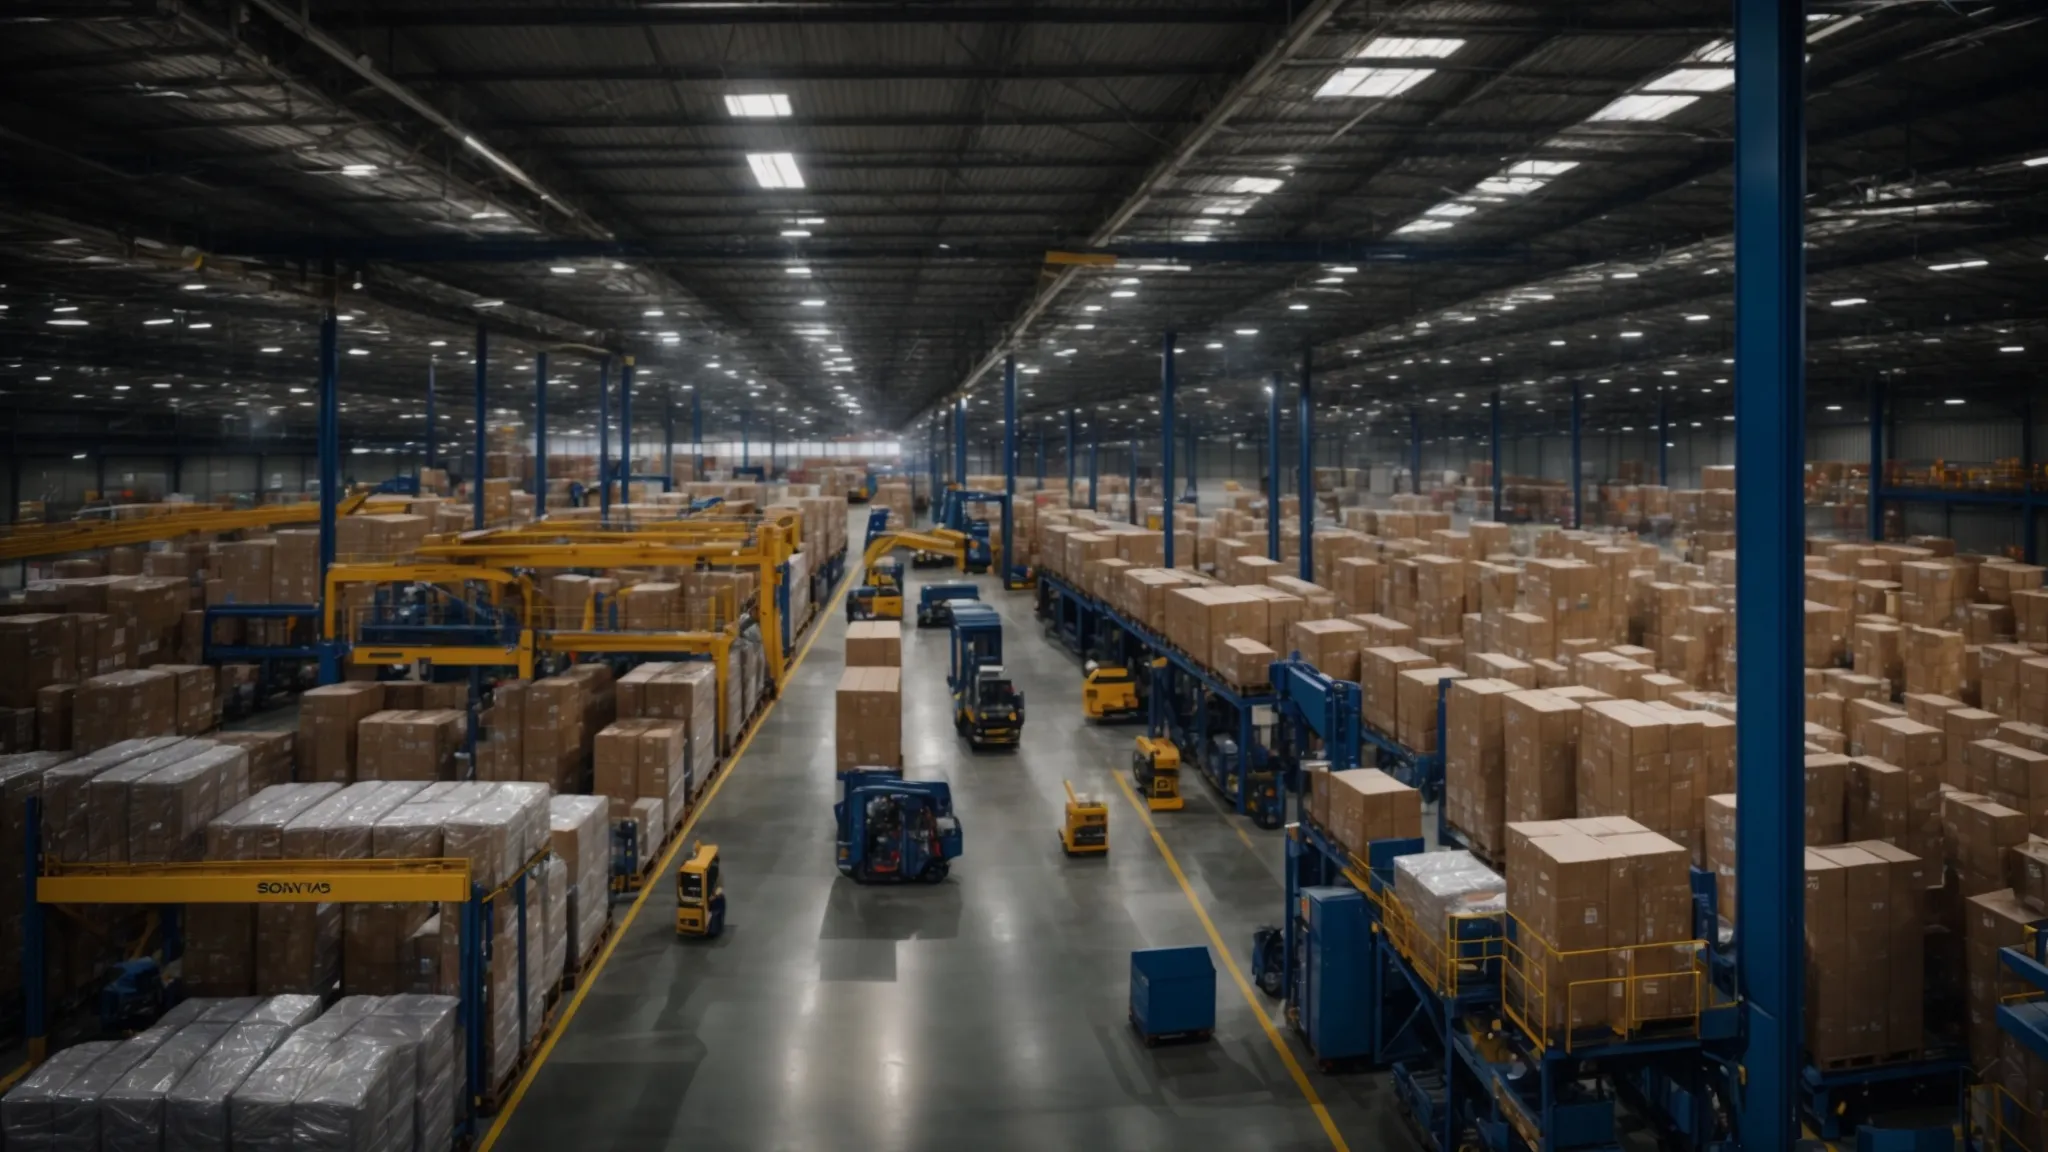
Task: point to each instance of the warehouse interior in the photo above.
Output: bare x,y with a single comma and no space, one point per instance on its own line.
504,504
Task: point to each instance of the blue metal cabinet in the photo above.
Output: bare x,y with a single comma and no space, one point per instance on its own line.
1337,986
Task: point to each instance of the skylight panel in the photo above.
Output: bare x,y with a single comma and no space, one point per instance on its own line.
1450,208
775,169
1715,52
1372,83
1256,185
1424,225
1410,48
763,106
1643,107
1226,207
1693,80
1511,185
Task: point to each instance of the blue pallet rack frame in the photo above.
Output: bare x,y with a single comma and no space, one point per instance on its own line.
1078,621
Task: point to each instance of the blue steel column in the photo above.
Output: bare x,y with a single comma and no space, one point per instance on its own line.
431,444
2027,518
1273,468
1039,435
668,438
746,438
1194,491
1664,438
540,434
1009,466
483,358
329,447
1497,513
933,437
1770,449
1306,416
960,443
604,437
1166,495
1876,460
1094,460
1578,471
1071,418
625,469
696,435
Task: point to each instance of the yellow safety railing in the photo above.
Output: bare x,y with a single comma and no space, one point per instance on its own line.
1461,955
1572,999
2002,1117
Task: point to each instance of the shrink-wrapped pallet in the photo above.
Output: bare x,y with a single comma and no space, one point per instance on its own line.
355,1100
26,1112
67,793
220,939
1436,886
298,946
580,833
376,953
260,1108
168,810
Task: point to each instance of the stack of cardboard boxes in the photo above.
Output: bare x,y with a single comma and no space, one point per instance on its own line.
869,726
1361,805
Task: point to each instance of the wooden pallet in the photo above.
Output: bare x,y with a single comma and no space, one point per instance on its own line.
537,1033
1877,1060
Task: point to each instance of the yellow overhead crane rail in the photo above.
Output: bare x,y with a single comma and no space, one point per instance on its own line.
35,541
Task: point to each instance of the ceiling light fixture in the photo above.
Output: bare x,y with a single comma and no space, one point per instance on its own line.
1255,185
1847,302
1372,83
775,169
759,107
1956,265
157,321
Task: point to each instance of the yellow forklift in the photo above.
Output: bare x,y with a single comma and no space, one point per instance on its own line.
1155,765
1086,830
1109,694
700,893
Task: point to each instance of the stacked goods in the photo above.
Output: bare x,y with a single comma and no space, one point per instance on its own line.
1418,692
377,955
686,693
1436,887
169,809
220,939
1591,896
869,729
1362,805
1977,833
562,715
197,697
876,643
1931,661
373,1072
501,732
36,651
407,745
123,706
298,946
1379,679
645,760
328,720
295,567
1540,732
1331,646
579,832
1475,763
499,835
1645,762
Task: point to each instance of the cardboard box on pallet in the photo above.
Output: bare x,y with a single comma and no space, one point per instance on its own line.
1417,693
270,755
1366,804
328,717
1918,749
1540,739
552,737
869,728
36,650
877,643
579,831
299,946
410,745
245,570
418,696
123,706
377,953
197,697
54,708
1475,763
1245,663
1379,683
1991,921
1331,646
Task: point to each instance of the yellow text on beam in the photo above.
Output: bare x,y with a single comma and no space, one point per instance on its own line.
331,882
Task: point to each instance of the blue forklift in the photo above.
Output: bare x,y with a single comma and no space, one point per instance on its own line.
935,603
892,830
987,708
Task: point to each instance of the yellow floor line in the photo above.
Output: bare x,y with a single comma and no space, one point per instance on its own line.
653,885
1244,986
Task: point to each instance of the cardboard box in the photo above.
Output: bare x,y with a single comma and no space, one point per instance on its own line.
1540,739
876,643
1379,684
1475,763
410,745
1418,694
1245,663
1366,804
1331,646
36,650
869,728
123,706
328,718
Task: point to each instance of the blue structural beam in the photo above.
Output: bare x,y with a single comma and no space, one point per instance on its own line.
540,433
624,471
1072,418
1094,460
1273,468
1495,443
1166,443
960,442
329,436
1009,467
668,436
604,436
746,438
1307,434
432,444
1770,422
483,410
1578,470
1039,435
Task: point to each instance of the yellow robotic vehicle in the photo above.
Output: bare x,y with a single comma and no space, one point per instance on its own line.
1086,830
1109,694
700,893
1155,765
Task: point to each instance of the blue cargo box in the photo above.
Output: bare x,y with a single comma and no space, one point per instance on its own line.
1173,993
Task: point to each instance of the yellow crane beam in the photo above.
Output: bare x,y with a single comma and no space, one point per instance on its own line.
31,542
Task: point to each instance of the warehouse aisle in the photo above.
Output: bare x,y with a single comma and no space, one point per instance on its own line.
988,1012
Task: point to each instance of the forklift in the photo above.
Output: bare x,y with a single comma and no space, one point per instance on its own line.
1086,829
700,894
1155,765
880,596
987,708
935,603
892,830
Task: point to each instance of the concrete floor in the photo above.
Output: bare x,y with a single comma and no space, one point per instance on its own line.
988,1012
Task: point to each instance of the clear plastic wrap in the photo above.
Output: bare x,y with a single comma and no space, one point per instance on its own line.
377,959
196,1107
554,934
168,809
1435,886
25,1112
65,790
435,1022
220,939
75,1108
132,1111
348,1104
107,799
580,833
298,946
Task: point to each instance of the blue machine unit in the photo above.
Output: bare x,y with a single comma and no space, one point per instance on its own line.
934,603
977,640
1337,952
893,830
987,708
1173,994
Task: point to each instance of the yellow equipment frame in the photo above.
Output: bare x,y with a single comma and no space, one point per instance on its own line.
30,541
258,882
